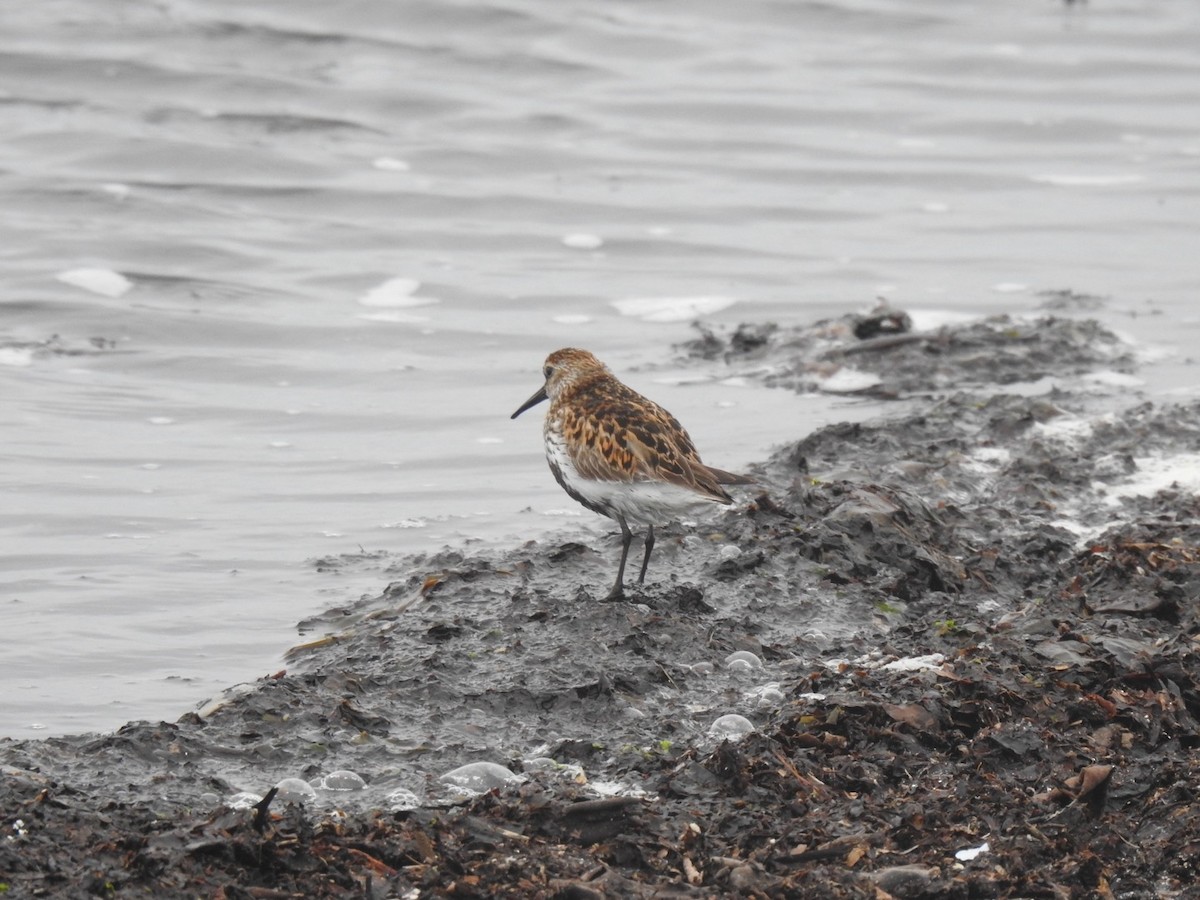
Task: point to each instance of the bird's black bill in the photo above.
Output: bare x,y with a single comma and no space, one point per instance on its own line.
532,401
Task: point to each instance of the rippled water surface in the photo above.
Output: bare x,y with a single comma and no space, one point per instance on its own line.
273,275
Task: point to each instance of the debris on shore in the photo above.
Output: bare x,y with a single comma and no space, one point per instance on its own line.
951,652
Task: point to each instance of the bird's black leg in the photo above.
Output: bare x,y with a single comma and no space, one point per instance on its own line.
618,589
646,557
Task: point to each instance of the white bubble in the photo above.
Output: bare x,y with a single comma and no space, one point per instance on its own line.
916,663
295,790
849,381
745,657
618,789
105,282
394,315
479,777
583,241
1077,180
768,694
406,523
391,164
396,292
401,799
731,726
671,309
343,780
16,356
243,800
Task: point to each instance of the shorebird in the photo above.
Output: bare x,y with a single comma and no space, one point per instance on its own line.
620,454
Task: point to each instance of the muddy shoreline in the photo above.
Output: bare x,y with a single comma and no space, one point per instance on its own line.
965,634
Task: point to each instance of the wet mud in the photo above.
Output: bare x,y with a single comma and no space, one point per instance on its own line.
964,633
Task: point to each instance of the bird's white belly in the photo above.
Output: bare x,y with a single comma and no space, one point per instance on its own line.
638,502
642,502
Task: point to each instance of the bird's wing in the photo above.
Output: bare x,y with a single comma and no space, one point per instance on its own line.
615,443
670,457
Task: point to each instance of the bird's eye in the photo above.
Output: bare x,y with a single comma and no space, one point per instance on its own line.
548,371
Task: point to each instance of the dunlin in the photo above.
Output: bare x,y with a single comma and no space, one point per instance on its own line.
619,454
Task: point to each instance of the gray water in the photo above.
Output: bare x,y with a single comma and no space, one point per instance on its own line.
273,275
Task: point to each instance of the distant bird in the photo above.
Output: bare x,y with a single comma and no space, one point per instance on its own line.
619,454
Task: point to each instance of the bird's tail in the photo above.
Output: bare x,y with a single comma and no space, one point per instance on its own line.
724,477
